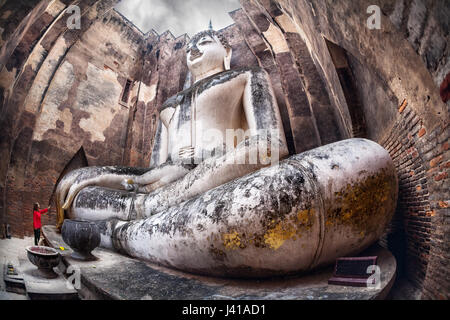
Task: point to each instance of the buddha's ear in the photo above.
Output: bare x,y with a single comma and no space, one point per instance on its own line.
227,59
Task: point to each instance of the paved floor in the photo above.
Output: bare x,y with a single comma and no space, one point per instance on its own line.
403,290
10,251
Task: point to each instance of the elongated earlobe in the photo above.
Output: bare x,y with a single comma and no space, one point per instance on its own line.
227,59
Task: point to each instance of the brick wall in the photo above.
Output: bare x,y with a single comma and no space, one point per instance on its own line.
404,61
409,235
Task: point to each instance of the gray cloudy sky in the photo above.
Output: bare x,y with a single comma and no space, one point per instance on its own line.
178,16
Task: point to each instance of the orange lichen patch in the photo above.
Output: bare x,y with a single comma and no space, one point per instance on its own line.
275,237
402,106
277,231
231,241
364,205
303,216
289,229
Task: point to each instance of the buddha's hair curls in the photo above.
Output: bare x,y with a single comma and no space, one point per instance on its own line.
212,34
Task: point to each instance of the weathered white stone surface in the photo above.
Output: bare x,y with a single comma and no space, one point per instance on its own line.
219,215
195,125
105,278
310,209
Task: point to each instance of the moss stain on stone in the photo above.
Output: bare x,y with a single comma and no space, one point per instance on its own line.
358,203
289,229
231,241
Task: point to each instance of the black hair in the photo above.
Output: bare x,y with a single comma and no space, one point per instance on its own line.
212,34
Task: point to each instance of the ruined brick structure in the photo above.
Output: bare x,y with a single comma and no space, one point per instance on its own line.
71,98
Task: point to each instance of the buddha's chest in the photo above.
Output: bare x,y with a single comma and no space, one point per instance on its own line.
217,106
202,118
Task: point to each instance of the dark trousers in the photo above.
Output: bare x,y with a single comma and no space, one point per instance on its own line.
37,236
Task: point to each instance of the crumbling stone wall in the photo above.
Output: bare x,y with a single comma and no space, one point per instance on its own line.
53,81
397,71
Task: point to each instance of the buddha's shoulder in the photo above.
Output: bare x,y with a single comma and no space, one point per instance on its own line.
238,71
205,84
224,77
172,102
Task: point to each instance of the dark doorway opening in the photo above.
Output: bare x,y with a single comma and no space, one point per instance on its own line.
126,92
350,89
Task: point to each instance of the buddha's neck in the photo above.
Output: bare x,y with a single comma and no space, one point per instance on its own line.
206,74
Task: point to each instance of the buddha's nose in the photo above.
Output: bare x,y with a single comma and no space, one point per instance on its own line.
195,53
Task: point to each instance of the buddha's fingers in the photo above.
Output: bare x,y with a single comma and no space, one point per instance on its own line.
149,177
73,191
59,199
160,177
168,173
105,180
64,186
61,192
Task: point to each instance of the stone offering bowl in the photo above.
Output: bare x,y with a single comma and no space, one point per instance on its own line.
45,258
82,237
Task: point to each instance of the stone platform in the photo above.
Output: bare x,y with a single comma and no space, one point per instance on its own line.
115,276
38,288
13,279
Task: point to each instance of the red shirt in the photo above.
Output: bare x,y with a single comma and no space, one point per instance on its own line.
37,218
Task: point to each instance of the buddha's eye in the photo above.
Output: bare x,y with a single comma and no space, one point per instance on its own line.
203,42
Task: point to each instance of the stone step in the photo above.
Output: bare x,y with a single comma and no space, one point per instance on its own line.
39,288
12,276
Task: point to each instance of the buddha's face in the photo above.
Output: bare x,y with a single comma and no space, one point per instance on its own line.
204,55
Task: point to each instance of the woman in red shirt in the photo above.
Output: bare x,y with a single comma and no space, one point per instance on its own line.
37,221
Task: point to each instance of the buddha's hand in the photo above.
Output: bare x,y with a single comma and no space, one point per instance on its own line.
74,181
159,177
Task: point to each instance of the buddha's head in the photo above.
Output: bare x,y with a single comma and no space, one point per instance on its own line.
208,52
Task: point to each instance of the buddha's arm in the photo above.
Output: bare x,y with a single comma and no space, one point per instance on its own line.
163,171
267,142
261,108
159,151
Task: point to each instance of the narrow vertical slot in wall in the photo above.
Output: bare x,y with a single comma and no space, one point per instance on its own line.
350,89
126,92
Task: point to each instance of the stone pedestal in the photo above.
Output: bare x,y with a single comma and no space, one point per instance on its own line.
115,276
13,278
39,288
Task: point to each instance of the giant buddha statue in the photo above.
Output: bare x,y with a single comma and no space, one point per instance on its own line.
221,195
